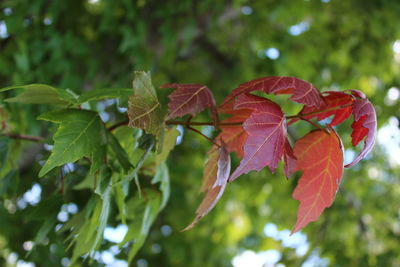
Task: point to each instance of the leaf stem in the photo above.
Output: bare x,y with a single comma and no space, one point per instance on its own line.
118,124
205,136
23,137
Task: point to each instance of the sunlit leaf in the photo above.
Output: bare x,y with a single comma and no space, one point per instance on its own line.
266,128
302,92
320,158
215,179
364,126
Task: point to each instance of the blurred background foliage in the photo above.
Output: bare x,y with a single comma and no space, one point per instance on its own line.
83,45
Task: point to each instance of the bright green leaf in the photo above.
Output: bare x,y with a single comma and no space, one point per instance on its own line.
80,134
162,177
169,143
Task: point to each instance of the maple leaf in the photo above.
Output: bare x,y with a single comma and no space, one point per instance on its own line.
190,99
234,136
364,125
320,156
144,110
266,128
333,101
81,134
302,91
215,179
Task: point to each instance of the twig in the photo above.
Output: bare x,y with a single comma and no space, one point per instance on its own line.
24,137
205,136
118,124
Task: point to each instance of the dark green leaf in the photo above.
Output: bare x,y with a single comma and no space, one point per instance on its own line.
4,142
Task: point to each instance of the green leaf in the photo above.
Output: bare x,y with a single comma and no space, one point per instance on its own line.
90,234
120,153
40,94
46,227
144,110
99,94
162,177
80,134
120,193
169,143
140,227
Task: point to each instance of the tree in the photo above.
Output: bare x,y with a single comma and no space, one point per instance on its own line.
221,49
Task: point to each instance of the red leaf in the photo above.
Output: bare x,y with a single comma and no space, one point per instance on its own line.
333,100
266,128
290,159
320,157
303,92
215,179
364,125
234,136
189,99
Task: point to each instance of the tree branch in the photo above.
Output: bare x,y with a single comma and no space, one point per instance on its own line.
24,137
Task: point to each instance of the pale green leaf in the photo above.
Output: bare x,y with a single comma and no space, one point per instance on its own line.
100,94
120,193
162,177
80,134
40,94
169,143
143,220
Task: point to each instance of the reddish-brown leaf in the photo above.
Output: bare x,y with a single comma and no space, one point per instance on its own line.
334,100
234,136
302,91
189,99
290,159
364,125
266,128
320,156
215,179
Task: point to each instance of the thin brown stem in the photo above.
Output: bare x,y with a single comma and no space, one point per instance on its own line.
205,136
313,123
118,124
24,137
